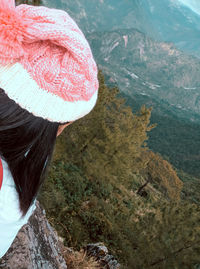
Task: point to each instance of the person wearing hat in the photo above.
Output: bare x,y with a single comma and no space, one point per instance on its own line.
48,80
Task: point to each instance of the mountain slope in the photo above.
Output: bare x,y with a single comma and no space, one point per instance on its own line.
158,75
140,65
179,24
173,22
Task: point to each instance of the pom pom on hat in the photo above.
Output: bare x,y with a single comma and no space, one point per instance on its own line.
46,64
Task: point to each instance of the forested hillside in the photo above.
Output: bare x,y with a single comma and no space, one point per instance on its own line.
106,185
174,137
156,74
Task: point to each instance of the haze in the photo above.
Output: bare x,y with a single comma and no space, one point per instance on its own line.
194,5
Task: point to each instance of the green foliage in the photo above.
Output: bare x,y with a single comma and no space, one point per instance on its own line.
140,234
174,137
179,140
169,237
191,187
91,191
110,136
88,210
161,174
29,2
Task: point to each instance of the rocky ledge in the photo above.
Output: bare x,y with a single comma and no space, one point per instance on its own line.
38,246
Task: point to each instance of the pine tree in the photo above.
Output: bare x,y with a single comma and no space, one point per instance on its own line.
89,195
169,237
162,175
109,141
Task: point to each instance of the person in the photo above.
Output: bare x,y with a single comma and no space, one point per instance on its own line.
48,80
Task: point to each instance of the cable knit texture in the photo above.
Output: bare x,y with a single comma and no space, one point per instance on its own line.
51,47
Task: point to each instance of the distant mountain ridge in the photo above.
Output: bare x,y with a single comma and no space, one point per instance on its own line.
140,65
173,22
156,74
126,38
179,24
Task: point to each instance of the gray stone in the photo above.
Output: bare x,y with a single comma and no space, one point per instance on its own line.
36,246
100,251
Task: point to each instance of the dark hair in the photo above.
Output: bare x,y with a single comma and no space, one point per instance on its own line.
26,144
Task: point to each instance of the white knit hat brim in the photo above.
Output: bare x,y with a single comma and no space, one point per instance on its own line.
22,88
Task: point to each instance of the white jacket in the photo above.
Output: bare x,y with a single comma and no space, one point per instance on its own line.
10,215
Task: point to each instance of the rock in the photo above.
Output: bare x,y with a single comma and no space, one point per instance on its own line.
100,251
36,246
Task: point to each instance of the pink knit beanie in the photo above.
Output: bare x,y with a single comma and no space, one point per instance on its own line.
46,64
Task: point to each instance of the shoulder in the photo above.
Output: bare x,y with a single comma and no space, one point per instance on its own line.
9,200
